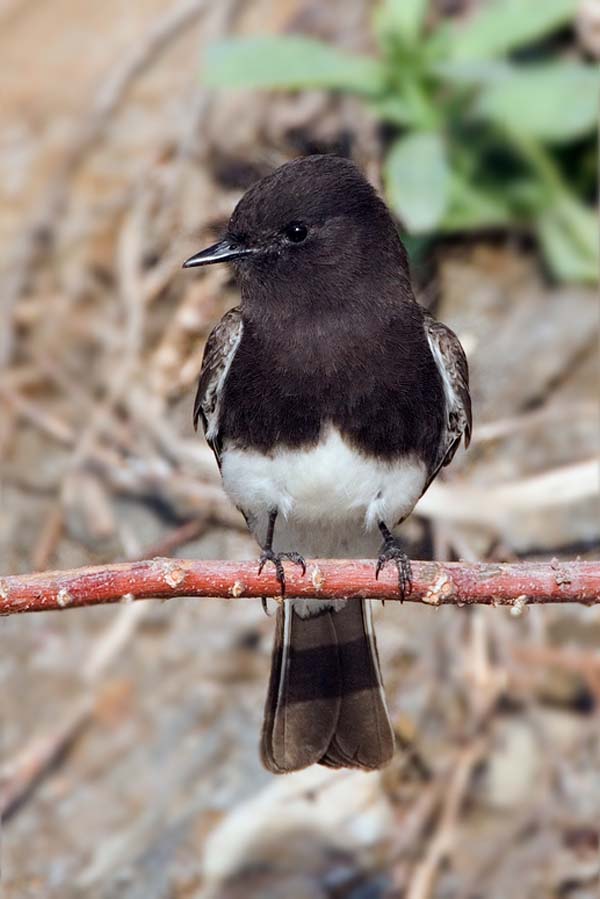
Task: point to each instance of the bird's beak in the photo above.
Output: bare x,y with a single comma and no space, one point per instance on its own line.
224,251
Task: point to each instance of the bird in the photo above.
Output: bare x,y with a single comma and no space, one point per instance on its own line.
331,399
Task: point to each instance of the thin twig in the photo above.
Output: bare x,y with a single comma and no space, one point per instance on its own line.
48,538
585,663
139,476
434,583
550,414
20,775
50,207
423,880
458,501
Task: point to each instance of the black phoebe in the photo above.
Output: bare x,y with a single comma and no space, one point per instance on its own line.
331,399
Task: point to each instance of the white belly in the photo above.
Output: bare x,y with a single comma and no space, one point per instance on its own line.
331,489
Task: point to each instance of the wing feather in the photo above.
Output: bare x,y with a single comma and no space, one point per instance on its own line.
220,349
452,364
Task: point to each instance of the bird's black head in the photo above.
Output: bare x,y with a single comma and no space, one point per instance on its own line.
314,230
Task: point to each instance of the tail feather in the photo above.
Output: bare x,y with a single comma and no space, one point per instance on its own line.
325,702
303,699
363,737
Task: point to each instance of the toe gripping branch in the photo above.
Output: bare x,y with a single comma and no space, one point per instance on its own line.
391,551
277,559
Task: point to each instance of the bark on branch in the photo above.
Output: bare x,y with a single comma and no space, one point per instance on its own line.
434,583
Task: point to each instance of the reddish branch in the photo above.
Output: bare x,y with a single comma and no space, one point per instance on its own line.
434,583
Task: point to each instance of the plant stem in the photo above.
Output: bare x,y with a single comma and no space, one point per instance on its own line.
563,202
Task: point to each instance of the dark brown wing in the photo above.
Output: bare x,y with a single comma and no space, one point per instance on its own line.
220,349
454,370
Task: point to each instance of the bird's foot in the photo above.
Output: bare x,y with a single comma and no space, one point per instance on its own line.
277,559
391,551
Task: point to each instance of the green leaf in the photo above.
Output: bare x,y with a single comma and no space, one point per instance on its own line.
552,102
393,109
499,26
289,63
471,207
568,235
471,74
403,17
417,179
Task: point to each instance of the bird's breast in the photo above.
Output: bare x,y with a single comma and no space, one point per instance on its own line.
327,483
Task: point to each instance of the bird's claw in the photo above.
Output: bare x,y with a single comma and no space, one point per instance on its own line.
393,552
265,608
268,555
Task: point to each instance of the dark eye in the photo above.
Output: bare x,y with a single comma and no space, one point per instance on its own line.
296,232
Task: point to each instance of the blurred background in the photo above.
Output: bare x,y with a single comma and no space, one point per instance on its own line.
130,734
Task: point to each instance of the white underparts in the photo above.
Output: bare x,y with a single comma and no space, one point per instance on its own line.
329,499
329,484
